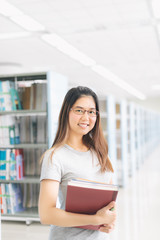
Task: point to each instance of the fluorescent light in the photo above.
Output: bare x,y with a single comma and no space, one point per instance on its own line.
19,17
117,81
8,9
27,23
63,46
14,35
156,87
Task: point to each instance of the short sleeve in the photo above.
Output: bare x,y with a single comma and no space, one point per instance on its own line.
51,167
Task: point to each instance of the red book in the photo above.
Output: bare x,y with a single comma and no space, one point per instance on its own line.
19,163
87,197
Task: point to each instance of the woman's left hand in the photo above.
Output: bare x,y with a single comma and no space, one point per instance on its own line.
107,228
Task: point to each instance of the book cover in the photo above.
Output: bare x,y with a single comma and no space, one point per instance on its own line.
8,198
1,200
4,202
26,96
17,197
12,170
87,197
16,104
19,163
3,164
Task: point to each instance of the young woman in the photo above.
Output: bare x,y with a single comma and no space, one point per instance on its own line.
78,151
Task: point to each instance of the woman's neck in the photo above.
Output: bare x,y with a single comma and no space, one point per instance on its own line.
77,144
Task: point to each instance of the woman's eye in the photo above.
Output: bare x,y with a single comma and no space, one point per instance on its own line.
79,110
91,112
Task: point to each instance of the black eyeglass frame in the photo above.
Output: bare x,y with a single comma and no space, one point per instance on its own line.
85,110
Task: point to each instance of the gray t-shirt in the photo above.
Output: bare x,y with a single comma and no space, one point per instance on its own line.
68,163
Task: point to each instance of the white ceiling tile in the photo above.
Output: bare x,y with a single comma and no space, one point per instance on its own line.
147,43
133,10
156,8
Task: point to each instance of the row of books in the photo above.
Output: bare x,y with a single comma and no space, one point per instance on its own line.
9,97
33,129
16,197
9,130
27,129
30,195
11,198
32,164
34,97
26,97
17,163
11,164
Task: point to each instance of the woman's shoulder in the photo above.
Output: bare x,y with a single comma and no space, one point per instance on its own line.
55,152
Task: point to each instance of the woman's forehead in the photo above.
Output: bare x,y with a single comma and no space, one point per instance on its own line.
85,102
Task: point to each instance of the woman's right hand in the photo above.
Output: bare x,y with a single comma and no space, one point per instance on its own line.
106,215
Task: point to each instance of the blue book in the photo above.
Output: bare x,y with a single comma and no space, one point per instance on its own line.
12,135
16,104
1,90
12,169
17,197
8,198
2,164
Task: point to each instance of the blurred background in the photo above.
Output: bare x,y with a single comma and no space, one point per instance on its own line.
111,46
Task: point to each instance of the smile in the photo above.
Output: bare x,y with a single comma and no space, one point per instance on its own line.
83,125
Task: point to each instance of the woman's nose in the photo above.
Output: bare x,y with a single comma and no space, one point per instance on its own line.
85,114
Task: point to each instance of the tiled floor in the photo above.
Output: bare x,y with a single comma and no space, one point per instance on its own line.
138,209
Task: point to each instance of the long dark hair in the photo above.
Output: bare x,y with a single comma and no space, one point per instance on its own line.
95,139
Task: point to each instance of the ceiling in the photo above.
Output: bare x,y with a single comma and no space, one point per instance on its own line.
122,36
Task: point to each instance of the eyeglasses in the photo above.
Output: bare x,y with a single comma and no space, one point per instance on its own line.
81,111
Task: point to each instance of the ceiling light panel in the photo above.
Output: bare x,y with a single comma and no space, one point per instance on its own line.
107,50
28,23
8,9
117,81
68,49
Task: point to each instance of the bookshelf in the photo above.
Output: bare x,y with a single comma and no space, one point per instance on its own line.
132,133
107,111
103,114
132,130
34,114
121,142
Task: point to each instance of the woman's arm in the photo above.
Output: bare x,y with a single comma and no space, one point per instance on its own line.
49,214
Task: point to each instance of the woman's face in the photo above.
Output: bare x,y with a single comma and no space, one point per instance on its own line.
82,124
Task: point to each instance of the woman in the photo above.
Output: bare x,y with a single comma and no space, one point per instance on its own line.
78,151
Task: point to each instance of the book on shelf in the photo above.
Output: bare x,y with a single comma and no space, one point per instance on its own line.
16,104
34,97
87,197
9,130
11,198
30,195
3,200
11,164
9,96
5,97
